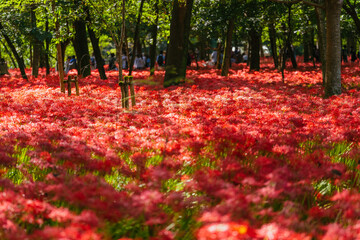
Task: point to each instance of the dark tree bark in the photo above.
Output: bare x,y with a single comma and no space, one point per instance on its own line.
59,49
178,46
306,44
81,48
227,52
136,37
64,45
154,32
292,55
47,49
333,48
255,41
289,40
351,9
321,25
218,56
312,47
274,51
9,54
35,42
97,52
19,59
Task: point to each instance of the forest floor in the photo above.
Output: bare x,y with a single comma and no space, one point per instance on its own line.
240,157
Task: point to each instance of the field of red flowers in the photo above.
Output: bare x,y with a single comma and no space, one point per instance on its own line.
219,158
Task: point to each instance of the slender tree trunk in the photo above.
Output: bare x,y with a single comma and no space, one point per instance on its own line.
321,24
203,47
352,11
36,44
81,48
63,46
289,40
31,54
227,52
312,47
306,44
154,38
42,56
218,56
18,58
97,52
333,48
178,46
47,49
136,37
10,55
255,38
292,55
60,55
274,51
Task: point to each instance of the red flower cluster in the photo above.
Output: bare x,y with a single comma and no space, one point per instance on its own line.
239,157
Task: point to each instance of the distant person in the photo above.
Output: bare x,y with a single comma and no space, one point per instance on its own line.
112,60
148,61
160,59
139,62
197,54
124,61
144,57
245,57
214,57
93,62
67,65
72,63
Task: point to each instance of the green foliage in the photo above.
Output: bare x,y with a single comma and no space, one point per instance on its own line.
24,168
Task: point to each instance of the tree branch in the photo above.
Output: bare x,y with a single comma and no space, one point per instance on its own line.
286,2
314,4
298,1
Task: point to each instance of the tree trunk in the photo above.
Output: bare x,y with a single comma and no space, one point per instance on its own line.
35,42
81,48
292,55
154,38
312,48
63,46
333,48
136,38
274,51
178,46
255,40
218,56
97,52
59,49
227,51
306,44
352,11
321,24
10,55
289,40
19,59
47,49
